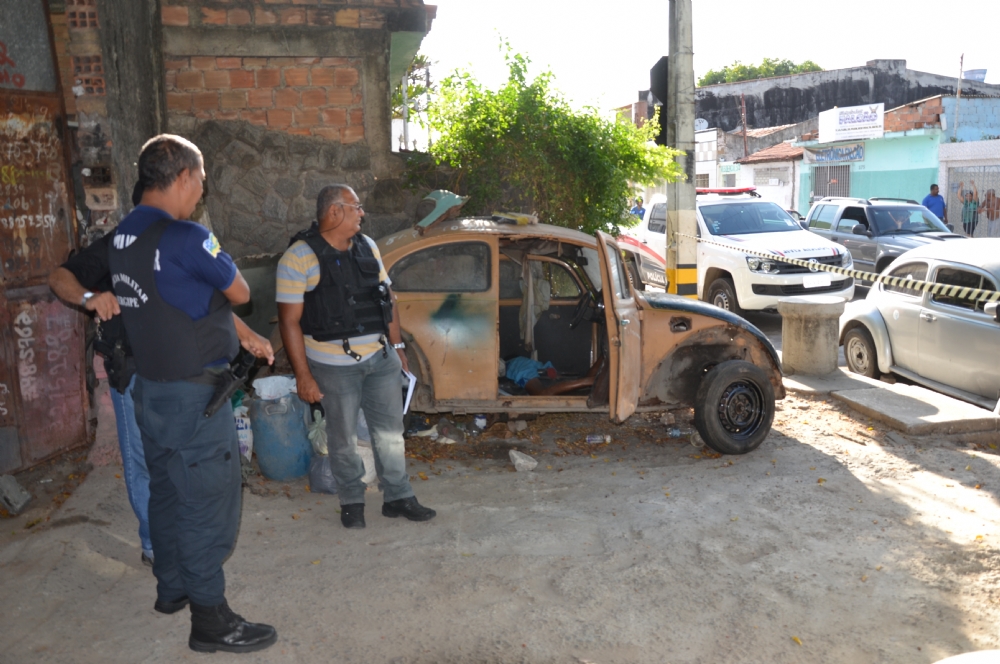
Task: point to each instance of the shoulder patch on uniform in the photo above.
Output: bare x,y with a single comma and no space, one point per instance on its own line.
121,240
211,245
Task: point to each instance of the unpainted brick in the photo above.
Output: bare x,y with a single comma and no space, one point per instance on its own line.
286,98
313,98
241,78
279,118
176,63
352,134
190,80
321,76
334,62
347,18
234,99
332,133
238,17
203,63
345,76
340,96
371,19
204,101
228,63
300,131
280,62
171,78
262,16
307,61
307,117
217,80
292,16
260,98
178,101
174,16
335,117
357,116
268,78
296,76
213,16
227,115
254,62
254,117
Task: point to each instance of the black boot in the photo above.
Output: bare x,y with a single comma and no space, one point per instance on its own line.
164,606
353,515
408,507
218,628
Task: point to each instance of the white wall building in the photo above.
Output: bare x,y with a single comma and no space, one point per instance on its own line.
774,171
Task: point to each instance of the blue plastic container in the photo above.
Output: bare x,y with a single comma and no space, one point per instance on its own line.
280,438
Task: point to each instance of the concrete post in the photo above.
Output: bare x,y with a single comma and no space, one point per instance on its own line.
681,252
810,334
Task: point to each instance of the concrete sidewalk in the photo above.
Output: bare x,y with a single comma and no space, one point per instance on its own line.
907,408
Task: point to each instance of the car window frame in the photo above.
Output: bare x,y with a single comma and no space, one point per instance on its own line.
978,307
919,296
423,249
815,213
580,285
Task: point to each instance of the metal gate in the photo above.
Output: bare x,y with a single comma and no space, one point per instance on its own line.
832,181
973,200
43,400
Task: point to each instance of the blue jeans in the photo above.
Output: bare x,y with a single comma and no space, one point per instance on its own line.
194,487
133,462
374,386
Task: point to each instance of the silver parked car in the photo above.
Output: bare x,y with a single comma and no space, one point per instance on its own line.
877,230
948,344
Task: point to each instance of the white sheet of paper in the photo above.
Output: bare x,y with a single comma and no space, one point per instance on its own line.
410,381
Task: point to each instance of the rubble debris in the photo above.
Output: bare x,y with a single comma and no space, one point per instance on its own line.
13,497
516,426
522,462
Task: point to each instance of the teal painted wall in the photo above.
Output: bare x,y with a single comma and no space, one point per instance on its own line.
913,183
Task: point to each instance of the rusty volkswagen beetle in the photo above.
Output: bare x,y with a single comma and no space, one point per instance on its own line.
474,294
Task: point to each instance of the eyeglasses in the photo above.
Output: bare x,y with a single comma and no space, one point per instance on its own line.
359,208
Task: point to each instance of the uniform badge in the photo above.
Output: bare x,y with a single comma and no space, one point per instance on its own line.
211,245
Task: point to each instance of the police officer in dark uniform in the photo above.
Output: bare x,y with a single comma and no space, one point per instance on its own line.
341,332
175,286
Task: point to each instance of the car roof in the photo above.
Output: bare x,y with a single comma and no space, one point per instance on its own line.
983,253
484,225
719,199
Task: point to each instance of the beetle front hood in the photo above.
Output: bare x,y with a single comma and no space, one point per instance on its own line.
793,244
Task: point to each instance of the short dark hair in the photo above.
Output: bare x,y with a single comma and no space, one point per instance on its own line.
934,186
165,157
329,195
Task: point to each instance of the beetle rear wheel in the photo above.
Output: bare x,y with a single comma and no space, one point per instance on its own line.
734,407
860,353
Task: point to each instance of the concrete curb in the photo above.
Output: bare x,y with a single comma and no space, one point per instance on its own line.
907,408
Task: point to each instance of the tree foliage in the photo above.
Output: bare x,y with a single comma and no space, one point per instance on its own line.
522,148
416,89
766,69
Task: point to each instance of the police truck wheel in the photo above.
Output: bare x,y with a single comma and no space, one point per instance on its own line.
860,353
734,407
722,294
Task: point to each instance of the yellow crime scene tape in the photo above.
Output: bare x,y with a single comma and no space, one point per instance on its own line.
961,292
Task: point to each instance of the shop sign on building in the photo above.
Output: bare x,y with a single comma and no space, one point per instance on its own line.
729,168
852,152
851,123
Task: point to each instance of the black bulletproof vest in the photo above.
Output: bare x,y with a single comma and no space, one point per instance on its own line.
166,343
349,299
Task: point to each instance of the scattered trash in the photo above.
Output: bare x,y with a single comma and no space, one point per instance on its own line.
49,480
317,430
667,419
516,426
696,440
244,431
522,462
13,498
673,433
274,387
596,438
417,424
431,433
478,423
321,479
447,429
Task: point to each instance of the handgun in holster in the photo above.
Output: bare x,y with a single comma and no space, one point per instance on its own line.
229,381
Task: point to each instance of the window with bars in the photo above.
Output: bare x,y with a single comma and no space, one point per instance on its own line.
832,180
81,19
701,181
89,73
762,176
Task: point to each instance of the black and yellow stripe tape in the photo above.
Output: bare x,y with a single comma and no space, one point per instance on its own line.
960,292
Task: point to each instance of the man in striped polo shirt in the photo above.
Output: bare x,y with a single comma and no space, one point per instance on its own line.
340,327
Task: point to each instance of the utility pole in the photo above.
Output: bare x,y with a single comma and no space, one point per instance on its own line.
681,252
743,113
427,79
958,97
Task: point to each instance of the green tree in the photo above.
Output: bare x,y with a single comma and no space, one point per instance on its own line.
766,69
522,148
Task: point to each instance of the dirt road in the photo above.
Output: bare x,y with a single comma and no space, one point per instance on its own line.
833,542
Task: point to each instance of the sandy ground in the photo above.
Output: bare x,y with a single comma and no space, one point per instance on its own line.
814,548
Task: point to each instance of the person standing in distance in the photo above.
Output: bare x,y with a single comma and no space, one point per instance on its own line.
638,210
935,203
175,287
338,319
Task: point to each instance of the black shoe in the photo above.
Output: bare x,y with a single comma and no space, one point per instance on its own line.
147,560
353,515
171,607
408,507
218,628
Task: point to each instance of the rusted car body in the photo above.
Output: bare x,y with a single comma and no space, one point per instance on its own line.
473,293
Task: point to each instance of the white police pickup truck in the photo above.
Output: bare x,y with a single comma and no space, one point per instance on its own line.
731,220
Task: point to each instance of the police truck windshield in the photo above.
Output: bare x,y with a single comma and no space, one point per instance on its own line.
730,218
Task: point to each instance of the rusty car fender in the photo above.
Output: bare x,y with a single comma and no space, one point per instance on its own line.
689,337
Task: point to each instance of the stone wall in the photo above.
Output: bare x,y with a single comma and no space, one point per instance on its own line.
790,99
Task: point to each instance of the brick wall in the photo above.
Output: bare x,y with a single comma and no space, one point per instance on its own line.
301,96
321,13
915,116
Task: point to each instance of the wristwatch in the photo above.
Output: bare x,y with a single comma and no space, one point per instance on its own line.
86,296
399,346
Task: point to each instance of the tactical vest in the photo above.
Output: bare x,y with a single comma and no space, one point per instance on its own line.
349,299
166,344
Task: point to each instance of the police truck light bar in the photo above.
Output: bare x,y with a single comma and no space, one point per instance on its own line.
729,191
